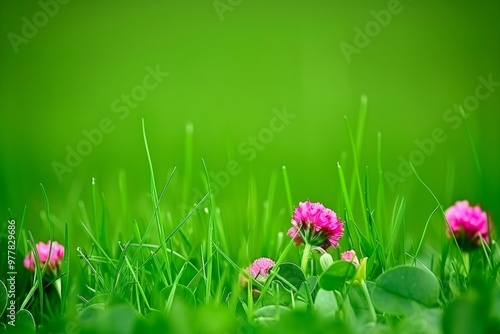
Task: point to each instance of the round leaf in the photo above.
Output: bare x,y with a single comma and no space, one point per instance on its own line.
25,323
326,303
336,275
402,290
290,275
270,313
307,288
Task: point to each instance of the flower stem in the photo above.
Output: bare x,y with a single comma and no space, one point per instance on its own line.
369,301
305,257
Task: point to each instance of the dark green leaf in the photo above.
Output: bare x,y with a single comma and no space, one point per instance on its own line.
402,290
25,323
307,287
290,275
336,275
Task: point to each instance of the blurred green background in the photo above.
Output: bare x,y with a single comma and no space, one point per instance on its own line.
230,65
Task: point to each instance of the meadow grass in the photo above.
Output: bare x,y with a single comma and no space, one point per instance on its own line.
179,271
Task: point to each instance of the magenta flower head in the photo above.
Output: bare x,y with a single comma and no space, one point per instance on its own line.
56,256
315,225
259,270
468,224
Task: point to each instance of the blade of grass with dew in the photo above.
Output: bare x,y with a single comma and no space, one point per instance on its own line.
210,237
119,267
22,232
39,273
51,236
170,299
381,200
159,270
137,231
221,235
403,240
375,241
104,225
122,190
202,269
220,288
350,217
178,226
357,177
83,212
489,258
97,276
142,239
423,235
154,194
441,209
137,282
267,228
97,229
94,240
49,221
65,269
356,146
36,281
188,162
287,188
396,221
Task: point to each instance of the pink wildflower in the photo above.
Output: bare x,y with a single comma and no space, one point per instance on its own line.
56,256
350,256
259,270
316,225
260,267
468,224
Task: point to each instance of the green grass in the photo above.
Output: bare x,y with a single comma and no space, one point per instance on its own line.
177,270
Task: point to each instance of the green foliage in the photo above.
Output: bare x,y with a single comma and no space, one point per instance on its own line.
326,303
404,290
25,323
335,277
290,275
475,312
177,270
